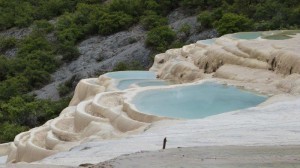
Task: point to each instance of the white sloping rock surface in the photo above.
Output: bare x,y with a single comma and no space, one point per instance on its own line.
276,124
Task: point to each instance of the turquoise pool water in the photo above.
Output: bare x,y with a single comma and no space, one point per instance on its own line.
270,35
131,75
195,101
152,83
280,35
247,35
207,41
125,83
141,78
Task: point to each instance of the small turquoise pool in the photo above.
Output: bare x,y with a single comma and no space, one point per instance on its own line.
207,41
246,35
280,35
140,78
131,75
195,101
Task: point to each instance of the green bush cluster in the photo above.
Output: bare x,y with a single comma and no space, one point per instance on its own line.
8,131
206,19
123,66
7,43
160,38
113,22
231,23
247,15
23,13
35,60
42,26
151,20
20,113
30,69
68,86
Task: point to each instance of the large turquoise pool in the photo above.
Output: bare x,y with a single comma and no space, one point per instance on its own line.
195,101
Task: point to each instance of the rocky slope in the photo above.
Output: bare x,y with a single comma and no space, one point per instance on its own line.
101,54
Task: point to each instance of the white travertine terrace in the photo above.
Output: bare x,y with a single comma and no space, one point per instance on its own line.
99,111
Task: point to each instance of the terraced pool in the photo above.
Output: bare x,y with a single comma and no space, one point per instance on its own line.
195,101
246,35
131,75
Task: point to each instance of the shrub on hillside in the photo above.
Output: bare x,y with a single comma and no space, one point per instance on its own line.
7,43
69,52
35,42
8,131
37,78
133,8
113,22
63,90
206,19
151,20
202,4
21,112
43,26
13,86
4,68
67,30
68,86
123,66
160,38
231,23
23,14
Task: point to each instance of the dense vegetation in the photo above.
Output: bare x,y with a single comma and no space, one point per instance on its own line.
249,15
74,20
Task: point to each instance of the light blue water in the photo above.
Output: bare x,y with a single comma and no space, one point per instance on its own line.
207,41
247,35
131,75
280,35
152,83
195,101
125,83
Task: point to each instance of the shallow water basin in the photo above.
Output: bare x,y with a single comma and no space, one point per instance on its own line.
131,75
195,101
207,41
247,35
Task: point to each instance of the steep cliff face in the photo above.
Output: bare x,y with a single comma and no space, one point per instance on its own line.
101,111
